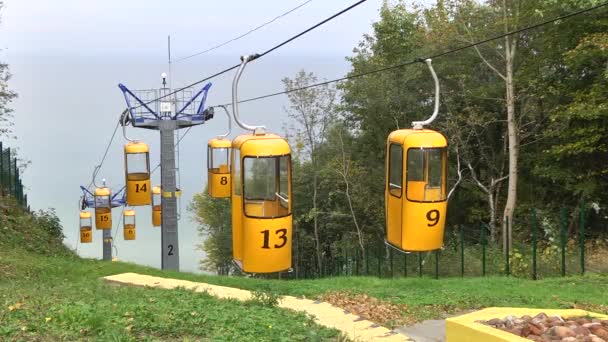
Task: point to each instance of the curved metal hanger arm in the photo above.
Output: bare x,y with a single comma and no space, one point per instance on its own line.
421,124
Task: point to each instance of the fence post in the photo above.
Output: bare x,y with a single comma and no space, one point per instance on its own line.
1,170
392,263
483,250
507,254
16,178
461,250
369,250
8,183
582,236
405,265
419,264
379,257
437,264
534,233
357,253
564,227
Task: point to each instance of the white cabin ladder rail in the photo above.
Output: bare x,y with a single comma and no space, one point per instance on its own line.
421,124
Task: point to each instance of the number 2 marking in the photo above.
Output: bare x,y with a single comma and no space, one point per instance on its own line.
433,217
170,250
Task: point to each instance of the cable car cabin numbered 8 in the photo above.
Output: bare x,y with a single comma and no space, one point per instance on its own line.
415,192
218,168
129,225
156,207
86,232
261,203
103,208
137,171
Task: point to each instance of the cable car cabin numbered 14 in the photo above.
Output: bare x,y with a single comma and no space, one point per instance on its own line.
86,232
137,170
103,208
129,225
218,168
261,205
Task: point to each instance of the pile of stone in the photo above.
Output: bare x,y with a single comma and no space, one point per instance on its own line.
553,328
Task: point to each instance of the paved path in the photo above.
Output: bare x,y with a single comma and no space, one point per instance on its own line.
427,331
353,326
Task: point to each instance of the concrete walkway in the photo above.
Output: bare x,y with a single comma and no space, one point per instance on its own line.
354,327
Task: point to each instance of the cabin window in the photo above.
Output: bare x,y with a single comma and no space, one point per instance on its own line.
395,170
426,173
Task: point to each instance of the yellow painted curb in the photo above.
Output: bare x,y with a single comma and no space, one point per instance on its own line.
352,326
463,328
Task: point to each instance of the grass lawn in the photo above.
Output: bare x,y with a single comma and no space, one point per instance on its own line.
54,298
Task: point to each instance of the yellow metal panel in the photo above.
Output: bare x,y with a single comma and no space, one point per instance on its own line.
237,228
129,232
261,145
156,190
219,143
103,218
85,214
102,192
156,216
267,244
417,138
86,235
218,185
423,225
136,147
138,192
464,329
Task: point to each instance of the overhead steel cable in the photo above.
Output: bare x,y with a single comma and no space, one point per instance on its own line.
438,55
105,154
244,34
258,55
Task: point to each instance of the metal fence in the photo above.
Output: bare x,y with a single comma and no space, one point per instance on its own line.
543,246
10,180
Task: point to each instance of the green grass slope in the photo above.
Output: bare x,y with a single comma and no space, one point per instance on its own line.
49,294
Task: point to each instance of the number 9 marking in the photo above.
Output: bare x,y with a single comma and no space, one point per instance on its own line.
433,217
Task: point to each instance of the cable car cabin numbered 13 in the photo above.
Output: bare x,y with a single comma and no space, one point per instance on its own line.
261,205
218,168
137,170
156,207
103,208
86,232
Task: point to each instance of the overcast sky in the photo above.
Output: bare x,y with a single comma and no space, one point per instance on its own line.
67,57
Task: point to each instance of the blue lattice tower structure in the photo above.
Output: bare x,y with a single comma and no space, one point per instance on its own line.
166,111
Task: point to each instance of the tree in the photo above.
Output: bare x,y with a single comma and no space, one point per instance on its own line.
214,220
6,97
312,110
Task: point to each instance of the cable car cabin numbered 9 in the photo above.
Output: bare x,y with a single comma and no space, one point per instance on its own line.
261,205
137,171
415,192
129,225
86,232
103,208
156,207
218,168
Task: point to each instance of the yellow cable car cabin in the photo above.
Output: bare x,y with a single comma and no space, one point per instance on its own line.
415,192
129,225
261,203
156,207
137,171
103,208
218,168
86,233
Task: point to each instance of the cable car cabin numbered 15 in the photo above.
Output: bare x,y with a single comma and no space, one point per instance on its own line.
103,208
137,170
86,232
261,206
218,168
